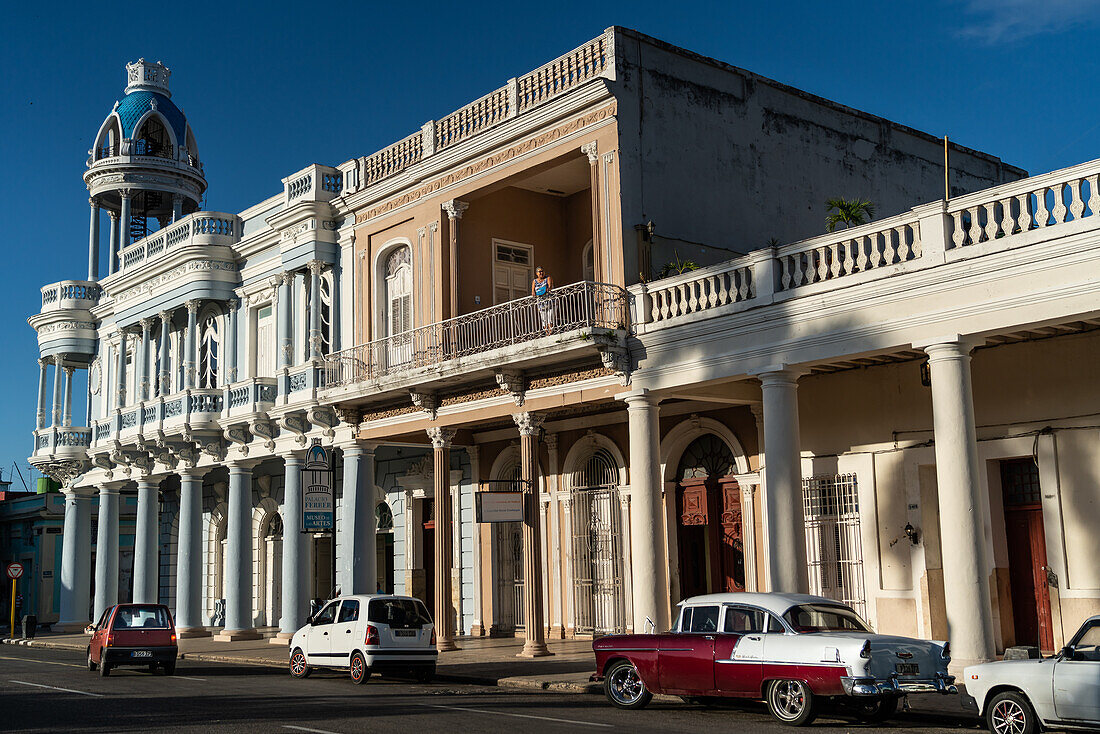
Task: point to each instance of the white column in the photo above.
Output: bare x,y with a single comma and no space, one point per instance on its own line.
285,316
93,241
177,207
67,411
295,552
58,386
189,575
783,504
238,549
120,374
43,364
961,498
648,559
315,309
124,222
231,340
358,520
106,551
146,546
165,378
112,246
190,364
141,367
76,562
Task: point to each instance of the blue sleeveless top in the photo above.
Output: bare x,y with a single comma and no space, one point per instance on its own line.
541,289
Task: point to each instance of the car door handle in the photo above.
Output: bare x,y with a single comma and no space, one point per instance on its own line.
347,632
326,634
709,637
754,638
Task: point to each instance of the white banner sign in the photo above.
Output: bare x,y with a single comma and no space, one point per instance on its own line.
499,506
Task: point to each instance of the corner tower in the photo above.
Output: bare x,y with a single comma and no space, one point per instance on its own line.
144,166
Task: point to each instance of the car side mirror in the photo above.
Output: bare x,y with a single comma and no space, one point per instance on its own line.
1066,653
89,630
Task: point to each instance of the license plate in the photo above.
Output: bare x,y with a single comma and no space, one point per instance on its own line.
141,654
404,633
907,668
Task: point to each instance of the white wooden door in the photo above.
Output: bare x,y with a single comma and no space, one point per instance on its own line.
265,343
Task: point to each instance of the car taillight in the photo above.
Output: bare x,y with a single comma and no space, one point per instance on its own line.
433,636
173,637
110,640
865,651
372,636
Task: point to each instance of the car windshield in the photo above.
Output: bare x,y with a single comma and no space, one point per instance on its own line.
824,618
398,612
143,617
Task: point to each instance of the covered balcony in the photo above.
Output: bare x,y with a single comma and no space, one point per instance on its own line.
574,323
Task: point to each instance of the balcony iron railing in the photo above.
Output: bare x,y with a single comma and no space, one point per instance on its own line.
569,308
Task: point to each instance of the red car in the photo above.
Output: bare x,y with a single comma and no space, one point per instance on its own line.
136,635
794,651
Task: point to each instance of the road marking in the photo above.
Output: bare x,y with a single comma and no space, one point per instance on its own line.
517,716
187,677
42,662
303,728
55,688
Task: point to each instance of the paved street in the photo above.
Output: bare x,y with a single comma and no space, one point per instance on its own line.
49,690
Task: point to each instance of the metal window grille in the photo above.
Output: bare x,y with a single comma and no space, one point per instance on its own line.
598,547
1020,482
833,546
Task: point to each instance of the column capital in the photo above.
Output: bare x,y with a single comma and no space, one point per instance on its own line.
146,325
590,150
529,423
165,317
43,361
242,466
193,306
441,437
316,266
953,346
297,458
194,472
148,481
640,400
287,277
92,202
125,193
233,303
359,448
778,374
113,215
455,208
68,370
551,441
474,451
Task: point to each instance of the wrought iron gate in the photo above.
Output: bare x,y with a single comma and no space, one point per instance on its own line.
598,561
834,549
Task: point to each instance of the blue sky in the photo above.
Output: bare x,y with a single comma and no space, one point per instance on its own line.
271,87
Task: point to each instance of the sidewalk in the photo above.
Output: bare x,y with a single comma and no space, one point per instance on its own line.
479,661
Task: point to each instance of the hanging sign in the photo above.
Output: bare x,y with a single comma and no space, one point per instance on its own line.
318,499
499,506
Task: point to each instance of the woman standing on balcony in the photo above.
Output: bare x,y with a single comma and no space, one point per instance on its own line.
540,289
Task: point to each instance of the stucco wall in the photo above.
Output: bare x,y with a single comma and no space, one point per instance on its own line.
718,155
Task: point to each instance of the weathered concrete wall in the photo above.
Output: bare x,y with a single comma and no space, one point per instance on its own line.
714,154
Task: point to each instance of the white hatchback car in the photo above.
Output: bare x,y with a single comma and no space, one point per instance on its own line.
1025,696
367,633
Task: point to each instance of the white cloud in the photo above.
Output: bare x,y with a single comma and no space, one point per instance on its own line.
1001,21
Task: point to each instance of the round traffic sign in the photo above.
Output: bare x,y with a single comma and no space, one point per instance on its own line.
15,570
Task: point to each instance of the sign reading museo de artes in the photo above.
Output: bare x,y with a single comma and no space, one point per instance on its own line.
499,506
318,500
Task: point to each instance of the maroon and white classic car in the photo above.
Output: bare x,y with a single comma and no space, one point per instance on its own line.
791,650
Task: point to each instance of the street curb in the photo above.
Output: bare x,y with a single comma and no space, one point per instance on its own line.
519,683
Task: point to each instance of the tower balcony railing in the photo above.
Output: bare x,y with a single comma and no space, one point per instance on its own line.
61,441
200,228
70,294
571,308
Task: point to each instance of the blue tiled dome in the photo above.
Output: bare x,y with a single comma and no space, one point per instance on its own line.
136,103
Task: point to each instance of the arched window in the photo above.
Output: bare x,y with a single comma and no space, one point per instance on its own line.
588,258
192,148
326,312
153,140
383,515
398,302
209,351
107,145
707,456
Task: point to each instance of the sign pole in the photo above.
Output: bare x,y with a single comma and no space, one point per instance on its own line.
13,608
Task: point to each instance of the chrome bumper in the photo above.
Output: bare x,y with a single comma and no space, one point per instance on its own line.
942,684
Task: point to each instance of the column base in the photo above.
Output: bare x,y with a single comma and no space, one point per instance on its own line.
477,630
532,649
237,635
63,627
184,633
445,646
283,638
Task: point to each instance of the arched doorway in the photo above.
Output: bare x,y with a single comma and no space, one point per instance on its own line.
383,517
708,512
597,544
508,555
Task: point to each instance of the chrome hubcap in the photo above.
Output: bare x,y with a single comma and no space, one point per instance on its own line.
1008,718
356,668
788,698
626,686
297,663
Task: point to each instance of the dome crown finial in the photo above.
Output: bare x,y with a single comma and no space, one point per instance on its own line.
150,75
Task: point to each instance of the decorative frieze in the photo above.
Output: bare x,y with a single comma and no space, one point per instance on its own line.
149,287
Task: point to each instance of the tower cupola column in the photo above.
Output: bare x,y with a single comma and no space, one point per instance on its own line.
120,385
231,340
67,411
142,367
177,207
190,366
124,231
164,379
55,413
93,241
43,364
112,246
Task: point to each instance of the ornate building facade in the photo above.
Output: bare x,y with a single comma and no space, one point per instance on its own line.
760,422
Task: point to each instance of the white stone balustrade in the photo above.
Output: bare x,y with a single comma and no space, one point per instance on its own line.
596,58
200,228
70,294
1000,218
313,183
